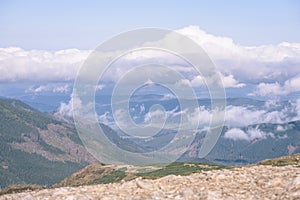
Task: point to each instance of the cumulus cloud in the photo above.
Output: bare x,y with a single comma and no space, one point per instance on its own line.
18,64
235,116
256,133
75,106
250,135
243,116
250,64
264,89
236,134
200,115
230,82
291,85
199,81
239,116
65,109
273,68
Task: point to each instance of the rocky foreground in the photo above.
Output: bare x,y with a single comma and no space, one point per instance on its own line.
252,182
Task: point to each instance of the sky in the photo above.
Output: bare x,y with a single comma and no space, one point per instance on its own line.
255,44
56,25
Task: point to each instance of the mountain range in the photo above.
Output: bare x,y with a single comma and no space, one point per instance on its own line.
39,148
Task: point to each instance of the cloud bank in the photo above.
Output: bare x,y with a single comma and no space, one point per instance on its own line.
274,69
289,86
249,135
55,88
17,64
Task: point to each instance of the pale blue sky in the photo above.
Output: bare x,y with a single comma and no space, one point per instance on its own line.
53,25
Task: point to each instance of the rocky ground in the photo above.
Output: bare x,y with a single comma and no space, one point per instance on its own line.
252,182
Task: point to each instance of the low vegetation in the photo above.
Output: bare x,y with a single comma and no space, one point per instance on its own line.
20,188
102,174
112,177
283,161
179,168
96,173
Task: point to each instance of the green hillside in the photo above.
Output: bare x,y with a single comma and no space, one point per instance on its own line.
31,146
36,148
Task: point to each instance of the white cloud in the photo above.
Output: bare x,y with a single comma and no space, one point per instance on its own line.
65,109
168,97
242,116
121,118
264,89
155,115
161,115
61,89
273,68
281,128
76,107
18,64
230,82
105,118
293,84
271,104
283,137
100,87
296,106
183,82
289,86
142,108
256,133
238,116
250,135
199,81
57,88
39,89
200,115
236,134
249,64
149,82
279,117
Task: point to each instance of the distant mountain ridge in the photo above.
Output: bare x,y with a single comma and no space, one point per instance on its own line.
228,151
36,147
